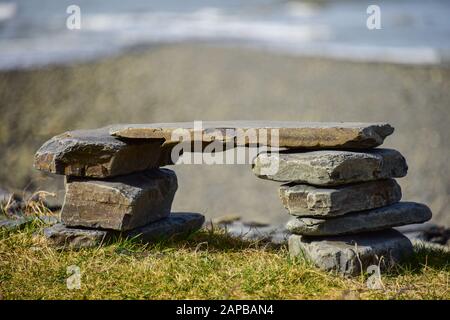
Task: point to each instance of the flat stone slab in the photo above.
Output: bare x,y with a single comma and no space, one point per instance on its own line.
61,236
175,225
330,167
346,254
292,134
120,203
399,214
14,224
309,201
94,153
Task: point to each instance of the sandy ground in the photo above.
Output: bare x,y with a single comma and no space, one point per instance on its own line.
198,82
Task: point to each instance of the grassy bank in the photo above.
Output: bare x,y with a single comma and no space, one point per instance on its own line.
208,265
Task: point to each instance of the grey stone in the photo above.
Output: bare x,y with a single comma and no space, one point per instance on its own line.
94,153
309,201
330,167
347,254
119,203
174,226
14,224
291,134
275,234
49,220
398,214
74,238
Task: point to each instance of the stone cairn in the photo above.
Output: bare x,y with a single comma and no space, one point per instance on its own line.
339,187
113,188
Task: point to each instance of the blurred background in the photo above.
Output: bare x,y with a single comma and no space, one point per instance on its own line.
159,61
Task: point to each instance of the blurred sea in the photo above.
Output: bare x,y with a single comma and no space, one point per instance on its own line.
34,33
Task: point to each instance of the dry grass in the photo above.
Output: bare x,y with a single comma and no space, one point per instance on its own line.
207,265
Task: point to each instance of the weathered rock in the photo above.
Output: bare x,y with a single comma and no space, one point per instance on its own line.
119,203
275,234
94,153
174,226
398,214
74,238
292,134
346,254
308,201
330,167
14,224
49,220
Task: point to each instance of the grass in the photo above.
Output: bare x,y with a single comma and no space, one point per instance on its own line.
207,265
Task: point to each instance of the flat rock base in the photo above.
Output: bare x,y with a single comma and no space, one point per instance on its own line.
177,224
347,254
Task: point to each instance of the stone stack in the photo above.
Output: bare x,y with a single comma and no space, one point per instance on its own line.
113,188
339,186
344,205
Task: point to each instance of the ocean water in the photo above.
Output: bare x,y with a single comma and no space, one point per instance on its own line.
34,33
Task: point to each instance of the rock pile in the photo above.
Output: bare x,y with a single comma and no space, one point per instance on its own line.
344,204
339,187
113,188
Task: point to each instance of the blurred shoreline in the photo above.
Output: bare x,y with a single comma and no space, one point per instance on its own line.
34,34
186,82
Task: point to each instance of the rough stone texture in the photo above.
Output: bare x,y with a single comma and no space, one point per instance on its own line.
94,153
74,238
346,254
119,203
331,167
14,224
274,234
175,225
395,215
292,134
308,201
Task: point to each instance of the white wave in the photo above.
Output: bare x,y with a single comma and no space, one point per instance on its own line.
206,24
390,54
302,9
